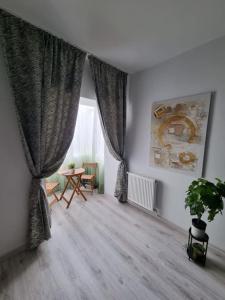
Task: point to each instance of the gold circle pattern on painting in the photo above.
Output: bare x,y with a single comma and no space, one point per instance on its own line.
172,119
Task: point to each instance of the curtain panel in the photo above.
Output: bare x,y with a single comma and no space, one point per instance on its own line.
110,87
45,74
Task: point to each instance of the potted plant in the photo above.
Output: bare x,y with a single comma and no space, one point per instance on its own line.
71,167
204,196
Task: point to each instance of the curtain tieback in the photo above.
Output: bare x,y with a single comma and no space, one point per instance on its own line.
121,183
123,167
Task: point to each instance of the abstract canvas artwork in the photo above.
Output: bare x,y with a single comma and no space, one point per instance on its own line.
178,133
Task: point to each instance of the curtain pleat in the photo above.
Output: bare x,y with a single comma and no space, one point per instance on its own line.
45,74
110,87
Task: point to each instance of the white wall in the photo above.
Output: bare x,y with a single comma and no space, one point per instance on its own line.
110,172
197,71
14,174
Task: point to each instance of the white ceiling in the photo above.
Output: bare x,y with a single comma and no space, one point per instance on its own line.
130,34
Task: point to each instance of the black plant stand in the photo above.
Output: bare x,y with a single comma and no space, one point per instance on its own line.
204,247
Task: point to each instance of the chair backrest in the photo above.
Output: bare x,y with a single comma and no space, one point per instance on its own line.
90,167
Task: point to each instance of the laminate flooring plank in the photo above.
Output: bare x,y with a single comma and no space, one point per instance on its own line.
105,250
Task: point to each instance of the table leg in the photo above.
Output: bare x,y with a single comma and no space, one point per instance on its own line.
82,194
54,200
62,195
77,187
74,184
71,198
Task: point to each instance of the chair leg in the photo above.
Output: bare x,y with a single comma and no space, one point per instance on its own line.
54,199
92,186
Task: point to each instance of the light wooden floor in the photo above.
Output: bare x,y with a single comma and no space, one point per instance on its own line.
101,249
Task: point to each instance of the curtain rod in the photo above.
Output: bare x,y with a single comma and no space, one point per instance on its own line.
8,11
56,35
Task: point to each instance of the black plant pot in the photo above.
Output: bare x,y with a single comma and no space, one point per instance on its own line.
198,228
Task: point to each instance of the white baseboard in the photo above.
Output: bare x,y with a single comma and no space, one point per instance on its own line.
152,213
13,253
171,224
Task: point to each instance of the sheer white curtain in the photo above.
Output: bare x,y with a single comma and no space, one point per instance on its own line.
88,141
81,148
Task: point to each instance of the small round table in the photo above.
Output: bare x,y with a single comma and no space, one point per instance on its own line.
70,175
204,242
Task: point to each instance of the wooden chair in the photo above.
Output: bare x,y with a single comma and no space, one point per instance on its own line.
50,190
89,178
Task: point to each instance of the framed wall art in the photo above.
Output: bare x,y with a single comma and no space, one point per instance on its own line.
178,133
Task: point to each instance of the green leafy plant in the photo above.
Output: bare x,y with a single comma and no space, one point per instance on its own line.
205,196
71,166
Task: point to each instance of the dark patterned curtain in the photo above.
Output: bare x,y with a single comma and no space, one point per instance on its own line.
110,86
45,73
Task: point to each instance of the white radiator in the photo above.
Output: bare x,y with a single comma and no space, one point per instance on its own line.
142,191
